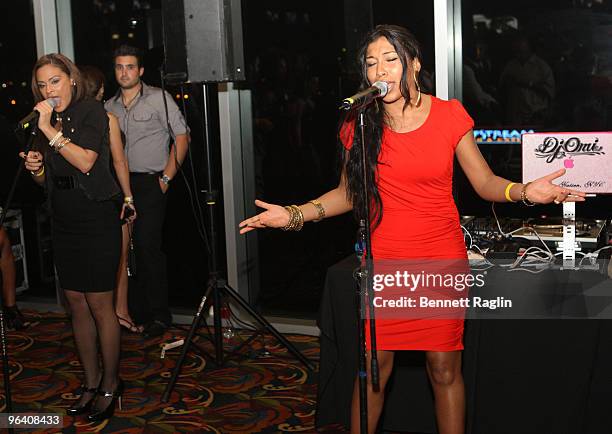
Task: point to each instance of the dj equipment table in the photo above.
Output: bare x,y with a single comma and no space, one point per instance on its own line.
521,375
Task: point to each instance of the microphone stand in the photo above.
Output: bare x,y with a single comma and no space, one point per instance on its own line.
363,279
3,343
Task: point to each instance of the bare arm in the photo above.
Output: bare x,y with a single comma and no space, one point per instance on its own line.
180,147
177,152
334,202
492,187
119,161
81,158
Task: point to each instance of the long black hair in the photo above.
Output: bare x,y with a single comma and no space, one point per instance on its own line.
408,49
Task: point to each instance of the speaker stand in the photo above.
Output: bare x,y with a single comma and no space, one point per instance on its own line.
216,285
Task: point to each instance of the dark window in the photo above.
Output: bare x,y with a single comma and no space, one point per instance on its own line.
533,66
301,62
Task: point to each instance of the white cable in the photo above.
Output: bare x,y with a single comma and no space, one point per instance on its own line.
551,256
469,235
527,270
474,246
593,255
532,255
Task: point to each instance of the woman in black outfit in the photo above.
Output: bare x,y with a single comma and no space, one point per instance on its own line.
71,159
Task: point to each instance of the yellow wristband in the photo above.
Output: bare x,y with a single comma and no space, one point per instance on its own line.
507,192
40,172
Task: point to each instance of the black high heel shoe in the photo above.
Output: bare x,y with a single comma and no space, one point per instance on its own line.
83,408
98,415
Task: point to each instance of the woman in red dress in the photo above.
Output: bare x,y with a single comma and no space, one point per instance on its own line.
413,139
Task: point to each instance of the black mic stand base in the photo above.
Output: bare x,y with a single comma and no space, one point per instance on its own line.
215,289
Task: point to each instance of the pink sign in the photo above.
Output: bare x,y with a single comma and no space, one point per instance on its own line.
587,158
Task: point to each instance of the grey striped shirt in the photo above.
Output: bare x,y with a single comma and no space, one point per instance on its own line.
146,136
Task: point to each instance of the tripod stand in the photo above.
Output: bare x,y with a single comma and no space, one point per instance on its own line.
3,343
216,285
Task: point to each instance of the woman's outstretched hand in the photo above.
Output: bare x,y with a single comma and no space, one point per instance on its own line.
542,190
274,216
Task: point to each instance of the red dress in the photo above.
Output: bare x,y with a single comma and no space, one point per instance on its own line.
420,219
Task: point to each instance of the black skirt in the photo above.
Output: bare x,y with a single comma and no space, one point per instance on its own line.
86,241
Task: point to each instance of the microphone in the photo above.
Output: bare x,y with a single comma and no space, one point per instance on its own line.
378,90
25,122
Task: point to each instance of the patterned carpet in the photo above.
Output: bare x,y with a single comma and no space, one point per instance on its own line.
262,391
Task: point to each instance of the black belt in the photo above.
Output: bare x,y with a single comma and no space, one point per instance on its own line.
145,173
65,182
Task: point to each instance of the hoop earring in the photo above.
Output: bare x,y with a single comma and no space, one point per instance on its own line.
418,101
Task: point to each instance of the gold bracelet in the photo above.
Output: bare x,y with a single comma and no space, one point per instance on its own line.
296,219
320,210
60,144
507,192
291,221
129,200
41,172
524,198
300,218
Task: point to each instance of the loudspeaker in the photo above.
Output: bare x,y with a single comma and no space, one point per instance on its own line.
203,40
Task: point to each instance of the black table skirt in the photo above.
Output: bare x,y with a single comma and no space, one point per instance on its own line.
521,376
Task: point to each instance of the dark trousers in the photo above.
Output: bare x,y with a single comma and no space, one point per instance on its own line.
148,291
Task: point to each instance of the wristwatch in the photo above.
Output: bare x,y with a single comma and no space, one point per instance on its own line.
165,179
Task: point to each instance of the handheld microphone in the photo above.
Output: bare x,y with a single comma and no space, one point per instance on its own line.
378,90
25,122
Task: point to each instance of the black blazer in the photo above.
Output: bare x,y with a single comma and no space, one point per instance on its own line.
85,122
